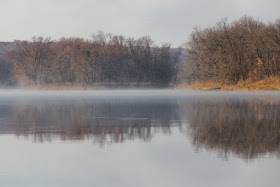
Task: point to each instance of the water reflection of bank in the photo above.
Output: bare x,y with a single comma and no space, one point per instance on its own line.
243,126
246,127
103,122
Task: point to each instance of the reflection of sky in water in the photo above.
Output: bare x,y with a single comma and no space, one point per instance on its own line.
141,139
165,161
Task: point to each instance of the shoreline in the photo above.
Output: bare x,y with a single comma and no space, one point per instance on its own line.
271,83
93,86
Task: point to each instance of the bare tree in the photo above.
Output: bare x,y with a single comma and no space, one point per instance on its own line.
230,52
32,58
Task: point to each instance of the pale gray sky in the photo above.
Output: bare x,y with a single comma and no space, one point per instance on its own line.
164,20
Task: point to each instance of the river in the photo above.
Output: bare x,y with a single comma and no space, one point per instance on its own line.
139,138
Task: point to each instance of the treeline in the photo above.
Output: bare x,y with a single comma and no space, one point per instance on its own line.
230,52
106,58
5,64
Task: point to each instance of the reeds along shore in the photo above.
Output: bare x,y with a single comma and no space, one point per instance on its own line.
272,83
92,86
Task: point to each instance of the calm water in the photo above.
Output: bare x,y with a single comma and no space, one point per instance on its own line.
139,138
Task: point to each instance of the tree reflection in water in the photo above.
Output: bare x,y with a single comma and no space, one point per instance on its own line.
104,122
248,127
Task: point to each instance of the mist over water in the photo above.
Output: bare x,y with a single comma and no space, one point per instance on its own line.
134,93
139,138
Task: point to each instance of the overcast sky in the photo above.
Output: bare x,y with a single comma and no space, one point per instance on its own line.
164,20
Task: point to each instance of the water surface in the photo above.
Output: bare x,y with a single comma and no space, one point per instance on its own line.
139,138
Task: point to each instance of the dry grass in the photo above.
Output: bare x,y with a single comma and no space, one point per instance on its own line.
272,83
84,86
182,85
66,86
207,85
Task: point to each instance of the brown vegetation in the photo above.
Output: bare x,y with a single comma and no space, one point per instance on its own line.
240,53
105,59
89,86
272,83
244,54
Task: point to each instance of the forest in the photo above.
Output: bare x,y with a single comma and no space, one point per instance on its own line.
245,49
106,58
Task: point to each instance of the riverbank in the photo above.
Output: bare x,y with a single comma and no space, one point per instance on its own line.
272,83
92,86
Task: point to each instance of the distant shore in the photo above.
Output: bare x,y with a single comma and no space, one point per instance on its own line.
92,86
272,83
